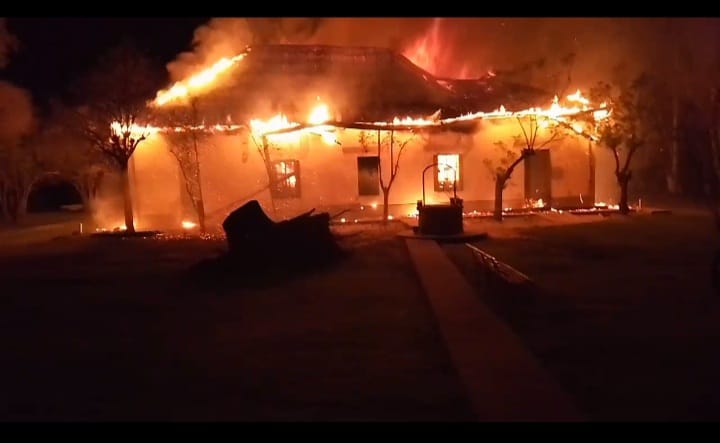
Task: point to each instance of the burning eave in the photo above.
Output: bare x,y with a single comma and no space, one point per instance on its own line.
270,89
459,126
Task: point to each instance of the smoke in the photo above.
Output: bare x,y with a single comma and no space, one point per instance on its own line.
226,37
558,51
16,113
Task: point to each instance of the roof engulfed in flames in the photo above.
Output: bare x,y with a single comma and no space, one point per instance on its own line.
320,120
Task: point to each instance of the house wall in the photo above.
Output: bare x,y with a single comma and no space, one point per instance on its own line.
233,172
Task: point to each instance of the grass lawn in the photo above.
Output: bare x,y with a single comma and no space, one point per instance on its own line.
624,318
96,329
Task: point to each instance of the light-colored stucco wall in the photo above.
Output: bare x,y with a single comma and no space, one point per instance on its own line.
233,172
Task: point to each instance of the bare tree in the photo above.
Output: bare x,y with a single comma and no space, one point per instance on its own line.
389,147
112,118
66,152
21,167
18,160
631,125
713,131
185,146
18,164
528,143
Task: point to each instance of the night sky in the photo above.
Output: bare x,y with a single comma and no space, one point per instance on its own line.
55,51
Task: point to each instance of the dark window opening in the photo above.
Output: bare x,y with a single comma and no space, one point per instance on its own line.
538,178
368,175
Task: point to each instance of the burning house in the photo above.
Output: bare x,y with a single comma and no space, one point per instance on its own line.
300,127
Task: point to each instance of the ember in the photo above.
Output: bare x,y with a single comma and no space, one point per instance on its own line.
187,225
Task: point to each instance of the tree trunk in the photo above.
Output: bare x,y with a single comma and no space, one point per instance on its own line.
386,208
499,186
673,179
591,182
201,200
201,214
21,208
271,176
83,192
127,202
623,181
12,205
4,208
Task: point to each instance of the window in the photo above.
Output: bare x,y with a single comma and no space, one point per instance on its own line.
449,170
286,179
368,180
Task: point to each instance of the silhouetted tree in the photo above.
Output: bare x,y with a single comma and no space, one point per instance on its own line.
185,145
18,162
65,151
19,167
527,143
390,148
632,124
116,92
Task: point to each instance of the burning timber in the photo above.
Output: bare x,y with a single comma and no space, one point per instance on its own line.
350,129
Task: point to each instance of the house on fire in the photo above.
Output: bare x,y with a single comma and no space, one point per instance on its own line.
337,168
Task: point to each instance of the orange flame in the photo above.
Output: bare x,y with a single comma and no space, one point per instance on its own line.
318,115
430,53
554,114
187,225
197,82
133,130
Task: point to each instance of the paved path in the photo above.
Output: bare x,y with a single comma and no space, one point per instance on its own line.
503,379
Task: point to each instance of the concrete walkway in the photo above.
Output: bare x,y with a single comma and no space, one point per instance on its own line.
503,379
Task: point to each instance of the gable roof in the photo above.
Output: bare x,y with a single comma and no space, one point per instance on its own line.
361,83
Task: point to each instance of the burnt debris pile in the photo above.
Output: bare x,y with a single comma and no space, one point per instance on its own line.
264,252
255,241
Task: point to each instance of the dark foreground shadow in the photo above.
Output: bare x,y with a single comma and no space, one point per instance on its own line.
228,274
264,253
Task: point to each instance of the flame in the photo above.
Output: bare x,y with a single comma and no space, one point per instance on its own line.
187,225
319,118
603,205
276,123
197,82
577,97
133,130
552,115
318,115
538,204
430,53
117,228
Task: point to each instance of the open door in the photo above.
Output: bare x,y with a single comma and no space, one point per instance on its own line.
538,177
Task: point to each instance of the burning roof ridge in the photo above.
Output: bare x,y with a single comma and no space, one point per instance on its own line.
339,48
